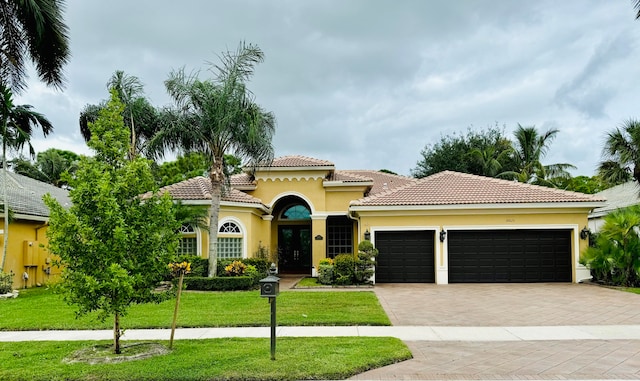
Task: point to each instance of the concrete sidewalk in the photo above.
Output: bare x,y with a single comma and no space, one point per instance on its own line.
405,333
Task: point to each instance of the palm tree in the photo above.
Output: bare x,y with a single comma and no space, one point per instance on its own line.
49,167
529,149
33,29
621,154
490,160
217,116
139,115
636,6
17,126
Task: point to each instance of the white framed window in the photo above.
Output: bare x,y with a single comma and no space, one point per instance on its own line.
188,244
230,240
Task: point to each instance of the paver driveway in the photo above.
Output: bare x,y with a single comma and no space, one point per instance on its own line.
482,305
499,305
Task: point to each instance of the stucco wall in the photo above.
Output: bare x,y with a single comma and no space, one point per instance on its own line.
27,253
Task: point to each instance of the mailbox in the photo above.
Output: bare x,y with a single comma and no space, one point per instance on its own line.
270,286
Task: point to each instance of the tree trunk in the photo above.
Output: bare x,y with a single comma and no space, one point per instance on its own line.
175,310
217,177
116,334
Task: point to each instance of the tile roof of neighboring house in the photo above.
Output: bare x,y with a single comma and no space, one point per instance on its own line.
453,188
298,161
382,181
25,195
199,188
620,196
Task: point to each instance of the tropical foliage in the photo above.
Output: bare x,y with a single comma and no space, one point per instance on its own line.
215,117
35,30
621,153
113,246
140,116
615,256
483,152
51,166
529,149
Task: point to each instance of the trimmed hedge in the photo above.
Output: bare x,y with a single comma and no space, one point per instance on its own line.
230,283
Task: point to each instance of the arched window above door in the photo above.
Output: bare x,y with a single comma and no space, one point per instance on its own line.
296,212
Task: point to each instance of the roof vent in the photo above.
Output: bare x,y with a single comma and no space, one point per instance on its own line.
384,186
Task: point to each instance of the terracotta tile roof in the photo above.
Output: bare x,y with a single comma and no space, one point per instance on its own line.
348,177
453,188
199,188
24,195
299,161
241,179
382,181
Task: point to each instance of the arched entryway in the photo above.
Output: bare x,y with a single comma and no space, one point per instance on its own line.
292,217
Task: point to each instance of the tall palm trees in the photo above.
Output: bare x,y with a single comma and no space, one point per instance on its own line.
139,115
217,116
33,29
530,147
621,154
16,127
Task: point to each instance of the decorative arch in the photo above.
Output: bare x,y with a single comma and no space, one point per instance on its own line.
284,195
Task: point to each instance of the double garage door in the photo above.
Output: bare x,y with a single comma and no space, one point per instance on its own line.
476,256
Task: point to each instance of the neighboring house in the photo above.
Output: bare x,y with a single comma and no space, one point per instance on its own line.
26,253
446,228
620,196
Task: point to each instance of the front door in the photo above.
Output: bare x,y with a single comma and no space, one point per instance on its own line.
294,243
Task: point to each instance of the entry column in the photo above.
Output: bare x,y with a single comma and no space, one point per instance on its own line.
318,234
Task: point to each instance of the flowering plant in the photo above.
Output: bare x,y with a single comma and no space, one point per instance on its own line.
236,268
178,268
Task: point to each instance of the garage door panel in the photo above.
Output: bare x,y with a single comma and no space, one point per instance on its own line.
405,257
485,256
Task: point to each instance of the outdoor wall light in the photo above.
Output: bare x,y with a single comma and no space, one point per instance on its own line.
584,233
443,235
367,235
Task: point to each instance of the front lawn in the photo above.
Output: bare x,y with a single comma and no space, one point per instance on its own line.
220,359
41,309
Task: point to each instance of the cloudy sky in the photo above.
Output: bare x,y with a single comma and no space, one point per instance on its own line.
367,84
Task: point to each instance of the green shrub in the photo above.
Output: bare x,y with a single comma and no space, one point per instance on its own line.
344,269
220,283
6,283
615,258
325,273
365,262
262,265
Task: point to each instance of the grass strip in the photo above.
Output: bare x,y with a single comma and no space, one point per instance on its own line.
229,359
42,309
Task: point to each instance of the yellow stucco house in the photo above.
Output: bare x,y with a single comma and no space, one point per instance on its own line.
27,257
446,228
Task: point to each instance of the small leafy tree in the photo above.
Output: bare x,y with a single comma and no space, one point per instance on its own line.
113,245
365,262
615,257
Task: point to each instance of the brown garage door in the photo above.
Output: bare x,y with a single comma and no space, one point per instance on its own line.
494,256
405,256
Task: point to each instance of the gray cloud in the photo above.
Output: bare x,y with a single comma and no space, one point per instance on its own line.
368,83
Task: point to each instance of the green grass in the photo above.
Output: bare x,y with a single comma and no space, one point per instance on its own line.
228,359
41,309
310,282
634,290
